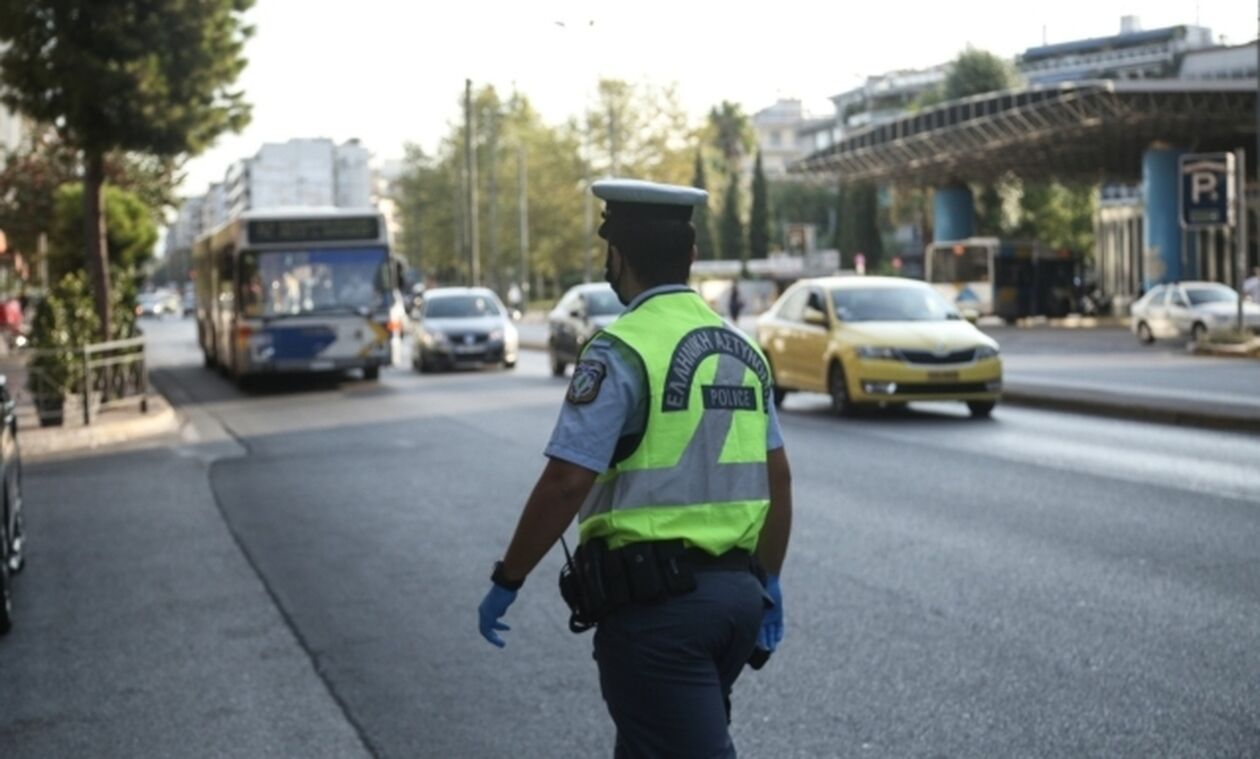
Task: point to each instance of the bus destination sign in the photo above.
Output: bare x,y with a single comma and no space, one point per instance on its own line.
276,231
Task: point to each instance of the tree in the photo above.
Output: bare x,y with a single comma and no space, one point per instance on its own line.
31,177
1061,216
731,229
700,217
729,131
975,72
130,226
150,76
857,224
759,219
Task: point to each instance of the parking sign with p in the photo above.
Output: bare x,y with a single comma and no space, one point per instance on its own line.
1207,190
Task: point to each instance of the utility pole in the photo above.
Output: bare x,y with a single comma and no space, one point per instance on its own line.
470,170
612,138
522,206
1240,263
493,149
588,209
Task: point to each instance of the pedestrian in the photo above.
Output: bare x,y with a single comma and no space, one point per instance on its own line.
1251,286
736,303
668,451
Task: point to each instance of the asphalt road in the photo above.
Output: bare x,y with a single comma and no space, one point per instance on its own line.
1037,585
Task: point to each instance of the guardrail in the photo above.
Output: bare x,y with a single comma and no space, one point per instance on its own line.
94,377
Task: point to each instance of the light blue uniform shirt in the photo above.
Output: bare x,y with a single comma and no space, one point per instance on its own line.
587,434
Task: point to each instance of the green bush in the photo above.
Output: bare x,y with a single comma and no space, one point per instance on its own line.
64,322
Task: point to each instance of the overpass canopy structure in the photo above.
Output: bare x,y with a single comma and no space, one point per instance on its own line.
1095,131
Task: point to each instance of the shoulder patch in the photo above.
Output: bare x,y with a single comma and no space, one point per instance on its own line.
588,376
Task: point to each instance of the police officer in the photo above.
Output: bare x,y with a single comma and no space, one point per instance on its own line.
667,438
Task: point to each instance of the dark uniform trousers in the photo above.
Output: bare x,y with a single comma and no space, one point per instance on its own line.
666,669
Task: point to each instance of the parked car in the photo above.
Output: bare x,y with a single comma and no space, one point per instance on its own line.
12,533
1189,309
869,341
581,312
463,327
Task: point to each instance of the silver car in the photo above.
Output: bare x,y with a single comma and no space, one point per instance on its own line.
583,311
463,327
1189,309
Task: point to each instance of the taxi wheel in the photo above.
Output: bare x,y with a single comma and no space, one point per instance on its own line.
981,409
1144,333
838,389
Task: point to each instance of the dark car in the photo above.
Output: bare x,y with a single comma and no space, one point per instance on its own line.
583,311
11,532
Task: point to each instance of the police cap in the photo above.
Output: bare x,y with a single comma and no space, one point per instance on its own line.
637,201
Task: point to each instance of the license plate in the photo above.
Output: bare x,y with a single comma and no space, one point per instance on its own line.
319,366
468,349
942,375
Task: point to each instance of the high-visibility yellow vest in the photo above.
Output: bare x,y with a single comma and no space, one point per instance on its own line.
699,471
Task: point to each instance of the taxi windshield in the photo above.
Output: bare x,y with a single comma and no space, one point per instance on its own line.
891,304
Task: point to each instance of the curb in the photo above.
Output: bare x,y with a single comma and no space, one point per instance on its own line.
160,419
1222,418
1098,404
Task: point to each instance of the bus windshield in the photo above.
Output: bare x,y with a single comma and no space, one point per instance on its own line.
959,263
891,304
290,282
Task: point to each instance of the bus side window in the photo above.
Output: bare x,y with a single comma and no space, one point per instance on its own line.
227,275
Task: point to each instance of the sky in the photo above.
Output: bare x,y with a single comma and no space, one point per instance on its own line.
391,72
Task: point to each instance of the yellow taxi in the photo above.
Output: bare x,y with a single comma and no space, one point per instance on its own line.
877,341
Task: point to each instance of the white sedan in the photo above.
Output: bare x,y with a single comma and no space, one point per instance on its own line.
1192,309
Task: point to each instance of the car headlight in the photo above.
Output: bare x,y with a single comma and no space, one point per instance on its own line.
496,335
1223,318
434,337
875,351
986,351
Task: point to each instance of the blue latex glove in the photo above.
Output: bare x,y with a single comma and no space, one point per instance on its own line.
772,619
493,606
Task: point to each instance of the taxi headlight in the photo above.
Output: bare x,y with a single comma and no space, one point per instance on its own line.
878,352
986,351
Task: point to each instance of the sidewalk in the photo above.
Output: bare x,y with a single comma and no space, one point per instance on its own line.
1096,367
110,428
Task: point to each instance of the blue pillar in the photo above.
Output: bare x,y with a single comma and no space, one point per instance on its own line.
954,213
1161,225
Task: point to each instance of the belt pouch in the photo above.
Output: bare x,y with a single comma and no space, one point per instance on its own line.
591,558
676,570
646,583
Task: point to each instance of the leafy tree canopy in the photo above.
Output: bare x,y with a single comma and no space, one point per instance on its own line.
147,75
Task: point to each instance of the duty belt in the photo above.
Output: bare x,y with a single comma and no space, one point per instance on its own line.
596,581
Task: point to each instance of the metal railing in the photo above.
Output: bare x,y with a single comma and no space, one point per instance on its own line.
95,377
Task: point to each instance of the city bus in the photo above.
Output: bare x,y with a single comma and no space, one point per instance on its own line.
1010,279
303,290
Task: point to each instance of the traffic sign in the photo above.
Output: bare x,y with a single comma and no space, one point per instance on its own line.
1207,190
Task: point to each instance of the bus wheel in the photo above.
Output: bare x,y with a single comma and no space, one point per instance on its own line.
371,373
838,389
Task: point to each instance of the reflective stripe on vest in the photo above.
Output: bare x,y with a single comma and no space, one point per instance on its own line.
699,472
